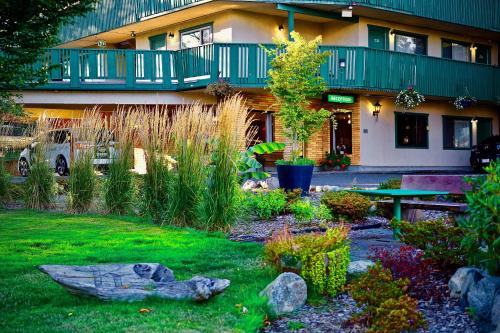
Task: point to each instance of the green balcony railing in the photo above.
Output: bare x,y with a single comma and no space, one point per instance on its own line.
112,14
246,66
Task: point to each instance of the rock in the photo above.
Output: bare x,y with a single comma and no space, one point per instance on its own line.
461,282
249,185
132,282
272,183
318,188
495,312
482,295
287,293
359,266
327,188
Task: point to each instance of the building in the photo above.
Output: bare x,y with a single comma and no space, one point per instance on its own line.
167,51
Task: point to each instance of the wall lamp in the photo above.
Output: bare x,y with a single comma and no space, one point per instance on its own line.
376,109
171,35
281,28
132,34
392,32
473,47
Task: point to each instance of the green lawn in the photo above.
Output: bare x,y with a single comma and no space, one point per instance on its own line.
31,302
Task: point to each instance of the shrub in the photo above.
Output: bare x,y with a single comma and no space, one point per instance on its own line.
390,184
154,135
119,184
439,240
333,160
322,213
221,197
384,297
192,125
267,204
293,195
407,262
4,182
321,260
89,134
481,227
302,210
354,206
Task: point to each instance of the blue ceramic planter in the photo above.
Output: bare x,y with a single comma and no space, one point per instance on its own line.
295,176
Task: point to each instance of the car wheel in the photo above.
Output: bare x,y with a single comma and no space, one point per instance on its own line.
23,167
61,166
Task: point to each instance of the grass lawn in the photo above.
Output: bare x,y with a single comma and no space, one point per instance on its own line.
31,302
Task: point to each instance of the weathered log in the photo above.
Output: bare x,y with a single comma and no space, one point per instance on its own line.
132,282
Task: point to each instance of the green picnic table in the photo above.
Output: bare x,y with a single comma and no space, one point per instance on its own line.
396,195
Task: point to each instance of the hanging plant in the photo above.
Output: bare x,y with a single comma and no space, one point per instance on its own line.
220,89
409,99
463,102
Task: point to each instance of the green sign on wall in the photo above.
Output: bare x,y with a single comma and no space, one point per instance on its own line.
341,99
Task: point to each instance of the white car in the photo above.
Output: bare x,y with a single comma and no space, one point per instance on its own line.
61,148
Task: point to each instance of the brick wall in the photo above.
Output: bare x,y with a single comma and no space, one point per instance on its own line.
319,143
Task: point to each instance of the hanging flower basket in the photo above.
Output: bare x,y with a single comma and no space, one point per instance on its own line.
220,89
463,102
409,99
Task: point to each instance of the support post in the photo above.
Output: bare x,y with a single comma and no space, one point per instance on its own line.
291,23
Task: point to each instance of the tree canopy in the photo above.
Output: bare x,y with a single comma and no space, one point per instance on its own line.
26,28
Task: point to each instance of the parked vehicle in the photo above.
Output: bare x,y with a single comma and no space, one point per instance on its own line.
62,147
485,152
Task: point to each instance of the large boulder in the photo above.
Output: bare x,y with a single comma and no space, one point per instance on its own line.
359,266
481,296
132,282
287,293
460,283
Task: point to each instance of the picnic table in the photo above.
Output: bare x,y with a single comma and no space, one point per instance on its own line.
397,195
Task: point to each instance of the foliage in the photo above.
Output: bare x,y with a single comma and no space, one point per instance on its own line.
302,210
347,204
323,213
481,227
220,89
192,128
29,239
119,189
383,298
321,260
4,182
409,99
27,28
247,163
293,80
407,262
298,161
462,102
266,204
397,315
89,134
333,160
293,195
439,240
221,197
390,184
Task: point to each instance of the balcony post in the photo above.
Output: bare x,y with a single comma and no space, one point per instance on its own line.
214,75
167,76
130,70
291,23
74,68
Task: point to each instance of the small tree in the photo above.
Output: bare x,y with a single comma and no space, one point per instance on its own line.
293,80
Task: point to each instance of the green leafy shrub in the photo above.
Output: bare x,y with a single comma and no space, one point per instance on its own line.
267,204
322,213
302,210
321,260
481,227
390,184
439,240
384,298
333,160
293,195
299,161
354,206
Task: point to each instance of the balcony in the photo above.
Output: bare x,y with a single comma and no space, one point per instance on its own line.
246,66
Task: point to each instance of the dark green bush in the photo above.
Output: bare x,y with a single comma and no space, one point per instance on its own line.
439,240
351,205
481,227
302,210
267,204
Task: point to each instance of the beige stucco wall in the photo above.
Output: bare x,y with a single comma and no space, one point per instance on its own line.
378,146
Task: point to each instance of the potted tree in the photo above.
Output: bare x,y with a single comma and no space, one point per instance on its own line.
293,80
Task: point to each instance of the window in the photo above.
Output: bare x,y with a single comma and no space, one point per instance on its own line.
483,54
158,42
411,130
409,43
378,37
456,50
457,132
196,37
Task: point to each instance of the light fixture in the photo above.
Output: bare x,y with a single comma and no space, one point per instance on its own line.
132,34
280,27
392,32
171,35
473,47
474,120
376,109
342,63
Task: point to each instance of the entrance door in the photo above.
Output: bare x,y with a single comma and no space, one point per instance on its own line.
341,137
378,38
